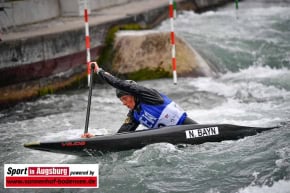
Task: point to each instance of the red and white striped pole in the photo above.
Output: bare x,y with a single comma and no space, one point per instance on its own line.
172,36
86,17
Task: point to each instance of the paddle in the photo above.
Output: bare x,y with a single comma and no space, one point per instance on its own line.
92,66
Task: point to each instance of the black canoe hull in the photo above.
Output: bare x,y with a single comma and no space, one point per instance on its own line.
184,134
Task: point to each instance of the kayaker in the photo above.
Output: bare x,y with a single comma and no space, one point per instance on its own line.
146,106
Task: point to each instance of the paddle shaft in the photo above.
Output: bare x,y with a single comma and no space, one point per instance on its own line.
92,66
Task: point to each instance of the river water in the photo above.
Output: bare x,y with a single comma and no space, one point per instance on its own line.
251,51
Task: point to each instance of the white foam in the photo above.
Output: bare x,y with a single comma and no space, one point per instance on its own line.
252,97
281,186
250,82
257,72
153,152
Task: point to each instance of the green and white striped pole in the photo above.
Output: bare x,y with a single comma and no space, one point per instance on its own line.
174,9
237,8
237,4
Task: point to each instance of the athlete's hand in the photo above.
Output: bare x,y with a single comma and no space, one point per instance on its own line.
87,135
96,67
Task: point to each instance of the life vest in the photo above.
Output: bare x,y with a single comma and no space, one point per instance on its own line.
155,116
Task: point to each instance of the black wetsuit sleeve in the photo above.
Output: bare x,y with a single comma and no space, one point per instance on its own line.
129,125
143,94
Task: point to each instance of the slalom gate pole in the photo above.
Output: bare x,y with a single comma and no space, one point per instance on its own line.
237,8
237,4
92,67
172,37
174,9
86,18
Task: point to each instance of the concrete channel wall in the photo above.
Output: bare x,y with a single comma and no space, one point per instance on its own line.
23,12
40,52
26,12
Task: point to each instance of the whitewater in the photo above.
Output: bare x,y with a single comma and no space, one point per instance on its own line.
249,50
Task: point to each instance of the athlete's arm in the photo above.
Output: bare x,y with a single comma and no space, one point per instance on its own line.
129,125
146,95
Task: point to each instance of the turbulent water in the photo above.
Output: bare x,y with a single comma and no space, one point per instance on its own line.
250,49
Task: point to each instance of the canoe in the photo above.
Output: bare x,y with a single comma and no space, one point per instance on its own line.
181,134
